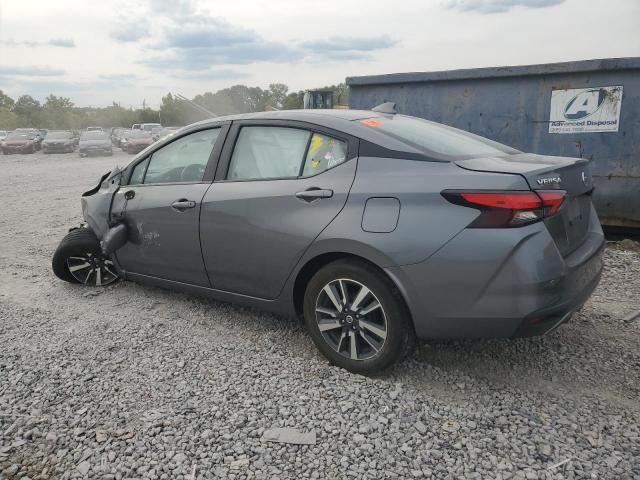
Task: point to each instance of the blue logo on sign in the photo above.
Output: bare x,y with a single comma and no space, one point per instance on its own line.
585,103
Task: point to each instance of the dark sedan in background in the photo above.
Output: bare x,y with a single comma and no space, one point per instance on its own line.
95,142
138,140
58,141
21,141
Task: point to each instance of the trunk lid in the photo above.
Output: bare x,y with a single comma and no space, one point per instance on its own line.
570,225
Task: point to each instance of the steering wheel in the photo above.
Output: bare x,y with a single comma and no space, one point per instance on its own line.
192,173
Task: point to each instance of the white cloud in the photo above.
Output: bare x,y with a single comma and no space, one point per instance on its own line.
126,51
498,6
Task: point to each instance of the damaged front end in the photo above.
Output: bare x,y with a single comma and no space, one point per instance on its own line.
96,211
84,255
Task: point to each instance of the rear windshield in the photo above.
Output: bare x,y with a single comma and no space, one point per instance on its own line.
93,135
436,139
59,135
21,136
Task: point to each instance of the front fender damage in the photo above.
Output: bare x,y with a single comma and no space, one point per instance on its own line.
96,210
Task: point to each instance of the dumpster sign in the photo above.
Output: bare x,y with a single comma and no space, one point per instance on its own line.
585,110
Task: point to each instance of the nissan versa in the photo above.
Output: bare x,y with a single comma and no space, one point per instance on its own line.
375,227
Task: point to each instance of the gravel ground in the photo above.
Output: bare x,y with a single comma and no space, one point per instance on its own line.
138,382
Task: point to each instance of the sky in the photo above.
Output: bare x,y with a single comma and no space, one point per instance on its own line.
98,52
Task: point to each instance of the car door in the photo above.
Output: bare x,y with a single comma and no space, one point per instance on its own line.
278,185
161,208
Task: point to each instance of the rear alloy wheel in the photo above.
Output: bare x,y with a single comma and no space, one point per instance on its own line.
78,259
356,317
351,319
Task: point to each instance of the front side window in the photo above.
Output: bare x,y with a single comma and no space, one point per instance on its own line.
184,160
268,152
137,176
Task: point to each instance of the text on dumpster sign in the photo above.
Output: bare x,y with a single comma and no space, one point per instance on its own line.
576,110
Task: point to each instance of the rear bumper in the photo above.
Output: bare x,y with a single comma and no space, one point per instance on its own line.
19,149
57,148
96,151
500,283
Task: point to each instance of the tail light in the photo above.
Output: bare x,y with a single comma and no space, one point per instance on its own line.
508,209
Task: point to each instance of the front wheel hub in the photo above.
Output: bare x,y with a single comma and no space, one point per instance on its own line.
92,269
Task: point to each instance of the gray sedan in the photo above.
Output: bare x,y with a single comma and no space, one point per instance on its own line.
374,228
94,142
60,141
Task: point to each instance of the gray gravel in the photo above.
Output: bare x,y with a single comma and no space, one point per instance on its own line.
137,382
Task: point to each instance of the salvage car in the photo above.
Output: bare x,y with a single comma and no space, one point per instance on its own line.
375,228
21,141
138,140
94,142
60,141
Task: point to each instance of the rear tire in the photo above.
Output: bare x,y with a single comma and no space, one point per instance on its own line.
365,324
78,259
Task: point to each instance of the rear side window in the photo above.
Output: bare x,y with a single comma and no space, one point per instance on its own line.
436,139
268,152
324,152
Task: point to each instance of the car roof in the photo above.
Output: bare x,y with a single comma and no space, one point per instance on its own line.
321,115
341,120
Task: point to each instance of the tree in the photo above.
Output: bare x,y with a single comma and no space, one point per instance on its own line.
277,94
220,103
26,105
293,101
59,112
58,103
174,111
6,102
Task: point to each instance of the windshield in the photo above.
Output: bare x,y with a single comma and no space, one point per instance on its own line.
20,136
436,139
93,135
59,135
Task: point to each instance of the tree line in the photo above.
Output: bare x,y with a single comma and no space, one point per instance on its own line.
58,112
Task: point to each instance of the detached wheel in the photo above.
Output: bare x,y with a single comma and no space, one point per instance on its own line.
356,317
78,259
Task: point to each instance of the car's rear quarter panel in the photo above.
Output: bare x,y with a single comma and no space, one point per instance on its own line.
458,282
426,220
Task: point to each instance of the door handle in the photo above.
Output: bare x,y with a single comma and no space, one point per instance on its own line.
314,194
183,204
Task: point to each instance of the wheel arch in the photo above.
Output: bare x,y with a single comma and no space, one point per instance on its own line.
315,263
